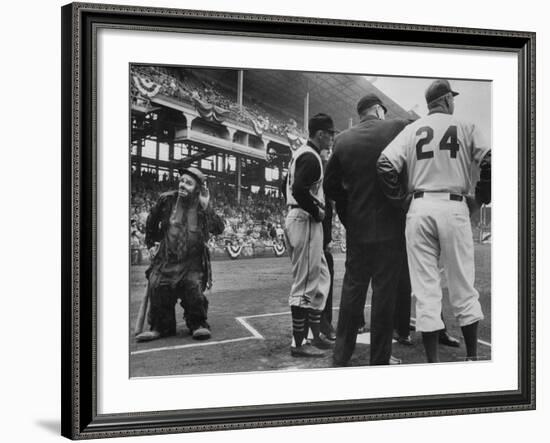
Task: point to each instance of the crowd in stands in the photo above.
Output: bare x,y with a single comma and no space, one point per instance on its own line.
187,86
258,219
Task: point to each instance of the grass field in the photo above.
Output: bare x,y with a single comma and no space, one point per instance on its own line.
251,324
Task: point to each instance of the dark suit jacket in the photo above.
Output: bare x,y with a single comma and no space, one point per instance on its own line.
351,181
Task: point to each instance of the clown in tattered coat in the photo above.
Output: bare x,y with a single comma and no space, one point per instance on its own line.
178,228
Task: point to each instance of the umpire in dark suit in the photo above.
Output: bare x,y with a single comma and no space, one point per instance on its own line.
373,231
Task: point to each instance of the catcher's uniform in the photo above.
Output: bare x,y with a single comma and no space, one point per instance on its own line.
311,278
437,152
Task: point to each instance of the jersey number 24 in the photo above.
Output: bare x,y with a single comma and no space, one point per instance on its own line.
449,142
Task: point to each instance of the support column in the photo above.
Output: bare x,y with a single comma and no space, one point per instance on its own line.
240,88
238,172
231,132
157,157
139,153
306,111
171,160
261,171
280,181
350,122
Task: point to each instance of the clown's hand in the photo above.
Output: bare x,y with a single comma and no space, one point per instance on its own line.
204,196
154,250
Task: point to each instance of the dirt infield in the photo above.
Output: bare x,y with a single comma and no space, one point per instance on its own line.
251,325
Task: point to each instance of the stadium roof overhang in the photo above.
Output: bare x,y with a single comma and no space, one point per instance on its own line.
285,91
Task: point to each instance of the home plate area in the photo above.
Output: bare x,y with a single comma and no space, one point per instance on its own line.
251,326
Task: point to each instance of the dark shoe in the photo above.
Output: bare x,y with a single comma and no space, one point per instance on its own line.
330,334
306,351
201,333
395,360
402,339
447,340
322,343
406,341
147,336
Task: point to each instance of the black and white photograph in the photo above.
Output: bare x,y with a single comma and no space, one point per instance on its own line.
285,220
276,221
242,221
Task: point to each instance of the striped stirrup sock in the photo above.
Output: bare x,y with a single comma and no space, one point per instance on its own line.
298,324
314,321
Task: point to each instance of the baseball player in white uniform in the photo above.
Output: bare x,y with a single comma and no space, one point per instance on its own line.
306,210
437,152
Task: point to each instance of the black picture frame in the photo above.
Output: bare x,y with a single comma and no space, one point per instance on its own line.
79,176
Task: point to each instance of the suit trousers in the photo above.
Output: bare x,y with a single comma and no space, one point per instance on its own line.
326,315
402,318
380,262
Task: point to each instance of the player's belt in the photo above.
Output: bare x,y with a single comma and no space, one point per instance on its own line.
454,197
294,206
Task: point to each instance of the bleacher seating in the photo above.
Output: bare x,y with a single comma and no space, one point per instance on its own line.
188,87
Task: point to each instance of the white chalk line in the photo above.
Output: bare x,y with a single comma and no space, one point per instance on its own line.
256,335
250,328
191,345
242,320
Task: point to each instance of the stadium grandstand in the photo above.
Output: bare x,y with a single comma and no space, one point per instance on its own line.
239,127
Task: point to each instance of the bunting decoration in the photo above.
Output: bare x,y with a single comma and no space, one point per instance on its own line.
234,251
209,111
279,249
147,87
294,140
260,125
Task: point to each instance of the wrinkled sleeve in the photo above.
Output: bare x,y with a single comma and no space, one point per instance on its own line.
214,222
483,186
334,187
396,151
479,144
393,183
152,228
307,172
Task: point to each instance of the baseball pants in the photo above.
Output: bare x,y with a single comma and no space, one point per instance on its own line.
310,274
439,230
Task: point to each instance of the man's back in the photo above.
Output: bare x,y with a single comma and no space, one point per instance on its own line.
438,150
351,181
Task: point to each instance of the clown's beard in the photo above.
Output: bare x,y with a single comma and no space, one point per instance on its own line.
184,203
188,200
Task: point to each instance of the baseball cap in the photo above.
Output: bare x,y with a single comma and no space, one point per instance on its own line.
369,100
437,89
320,122
195,173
